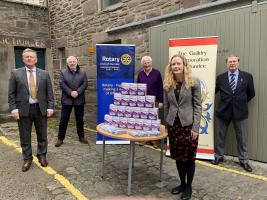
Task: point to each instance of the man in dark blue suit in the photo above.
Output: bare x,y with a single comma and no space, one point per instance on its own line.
236,90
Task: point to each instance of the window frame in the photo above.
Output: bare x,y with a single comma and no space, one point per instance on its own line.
109,7
62,57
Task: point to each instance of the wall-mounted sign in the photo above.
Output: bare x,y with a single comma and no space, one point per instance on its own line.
41,3
24,42
91,49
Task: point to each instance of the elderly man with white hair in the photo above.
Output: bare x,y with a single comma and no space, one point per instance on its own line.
153,79
73,83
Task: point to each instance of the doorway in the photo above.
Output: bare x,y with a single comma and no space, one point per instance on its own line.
40,55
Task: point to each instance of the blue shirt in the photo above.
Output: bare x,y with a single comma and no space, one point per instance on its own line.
236,72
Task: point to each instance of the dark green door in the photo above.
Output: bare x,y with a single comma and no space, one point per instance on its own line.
40,55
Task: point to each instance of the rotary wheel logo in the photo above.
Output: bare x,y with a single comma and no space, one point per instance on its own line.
126,59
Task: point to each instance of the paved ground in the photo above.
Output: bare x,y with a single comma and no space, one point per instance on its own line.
80,165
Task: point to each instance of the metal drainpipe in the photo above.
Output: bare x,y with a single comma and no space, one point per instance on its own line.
49,25
173,14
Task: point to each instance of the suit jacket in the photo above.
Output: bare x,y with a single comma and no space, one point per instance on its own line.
188,106
234,105
18,92
73,81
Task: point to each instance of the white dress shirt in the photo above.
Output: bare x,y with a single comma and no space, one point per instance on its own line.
31,100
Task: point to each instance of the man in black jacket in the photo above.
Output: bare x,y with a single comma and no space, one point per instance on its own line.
236,90
73,83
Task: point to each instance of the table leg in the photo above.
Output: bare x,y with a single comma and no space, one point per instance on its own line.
132,143
133,154
103,157
161,158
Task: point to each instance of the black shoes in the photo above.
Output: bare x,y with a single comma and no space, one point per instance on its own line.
217,161
246,167
187,193
178,189
185,189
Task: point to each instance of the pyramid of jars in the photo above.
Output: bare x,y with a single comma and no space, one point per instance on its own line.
132,108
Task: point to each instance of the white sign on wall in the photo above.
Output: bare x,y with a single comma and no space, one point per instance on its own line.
42,3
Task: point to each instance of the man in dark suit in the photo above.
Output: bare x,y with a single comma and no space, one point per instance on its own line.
236,90
31,100
73,82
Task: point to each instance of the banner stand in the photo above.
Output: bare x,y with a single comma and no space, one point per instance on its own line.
201,54
115,64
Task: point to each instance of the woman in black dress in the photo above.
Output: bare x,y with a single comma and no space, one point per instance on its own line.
182,112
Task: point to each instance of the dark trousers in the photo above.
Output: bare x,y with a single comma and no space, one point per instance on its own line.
241,132
65,116
25,129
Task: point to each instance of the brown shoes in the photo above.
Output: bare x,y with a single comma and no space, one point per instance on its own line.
42,160
83,140
26,165
59,143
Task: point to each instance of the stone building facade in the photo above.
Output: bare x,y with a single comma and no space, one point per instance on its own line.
59,28
22,25
77,25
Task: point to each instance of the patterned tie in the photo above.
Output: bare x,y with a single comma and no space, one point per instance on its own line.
232,82
32,85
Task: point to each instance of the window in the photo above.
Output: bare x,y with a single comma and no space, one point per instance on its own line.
107,3
62,57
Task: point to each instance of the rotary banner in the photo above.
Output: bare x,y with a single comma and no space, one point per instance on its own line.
115,64
201,54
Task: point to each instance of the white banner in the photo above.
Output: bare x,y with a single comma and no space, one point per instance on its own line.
201,54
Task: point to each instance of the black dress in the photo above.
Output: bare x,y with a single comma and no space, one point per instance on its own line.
182,147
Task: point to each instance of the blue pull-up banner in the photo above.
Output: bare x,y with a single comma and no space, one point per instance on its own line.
115,64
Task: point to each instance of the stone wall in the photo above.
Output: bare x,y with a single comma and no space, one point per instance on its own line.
23,20
78,24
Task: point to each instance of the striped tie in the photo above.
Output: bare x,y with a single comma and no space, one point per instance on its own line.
232,82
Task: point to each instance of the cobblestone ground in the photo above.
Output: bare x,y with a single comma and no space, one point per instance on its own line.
81,165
